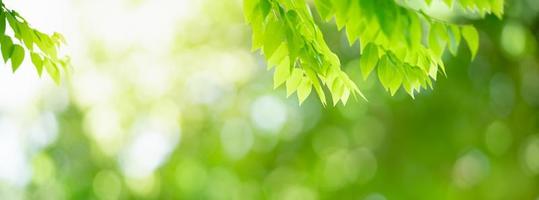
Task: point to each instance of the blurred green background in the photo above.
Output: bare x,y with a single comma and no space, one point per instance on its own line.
166,101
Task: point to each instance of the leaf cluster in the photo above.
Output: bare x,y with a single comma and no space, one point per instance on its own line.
294,45
42,49
397,38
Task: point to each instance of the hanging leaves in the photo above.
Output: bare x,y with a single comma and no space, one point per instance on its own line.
294,45
42,48
396,37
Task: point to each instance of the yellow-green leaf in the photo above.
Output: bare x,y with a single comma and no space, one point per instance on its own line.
38,62
293,82
470,34
304,89
52,70
368,60
17,56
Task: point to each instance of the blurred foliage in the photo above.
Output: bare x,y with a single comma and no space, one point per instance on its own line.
194,117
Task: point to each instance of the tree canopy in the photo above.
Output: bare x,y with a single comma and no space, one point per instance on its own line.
402,40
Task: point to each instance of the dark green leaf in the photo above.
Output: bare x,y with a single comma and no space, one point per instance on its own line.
7,48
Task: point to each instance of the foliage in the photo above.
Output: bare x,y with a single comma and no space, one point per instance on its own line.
398,38
42,48
201,94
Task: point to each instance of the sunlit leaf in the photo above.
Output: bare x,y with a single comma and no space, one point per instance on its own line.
52,70
293,82
469,33
38,62
304,89
389,74
282,72
17,56
369,59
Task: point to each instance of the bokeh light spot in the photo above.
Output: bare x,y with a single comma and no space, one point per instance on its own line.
498,138
14,167
147,186
43,168
329,140
268,113
502,94
470,169
145,153
345,167
531,154
298,192
236,138
375,196
514,39
107,185
191,177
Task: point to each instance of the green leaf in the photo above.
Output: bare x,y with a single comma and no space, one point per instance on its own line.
38,62
389,75
248,9
278,56
273,37
265,7
317,86
337,90
46,44
353,30
282,72
438,38
454,39
52,70
412,80
2,22
14,24
368,60
59,38
257,23
324,8
416,31
27,36
304,90
293,82
7,48
342,16
497,7
470,34
17,56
